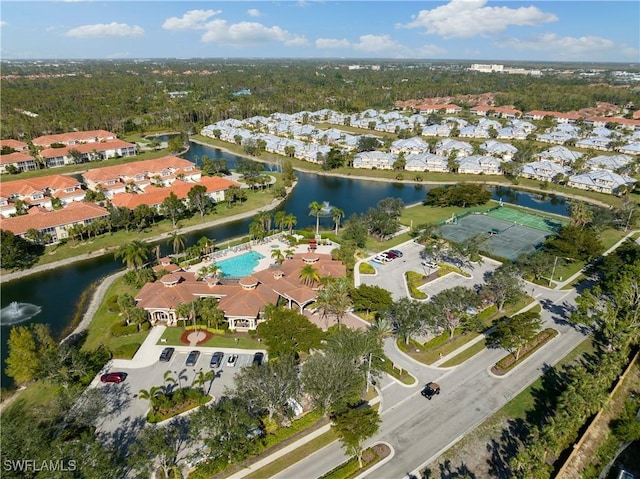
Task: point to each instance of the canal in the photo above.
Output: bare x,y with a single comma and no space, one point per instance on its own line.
57,291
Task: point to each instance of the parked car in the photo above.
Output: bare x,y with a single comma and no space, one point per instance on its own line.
115,377
167,354
429,264
192,359
379,259
390,254
231,361
257,359
216,359
397,252
430,390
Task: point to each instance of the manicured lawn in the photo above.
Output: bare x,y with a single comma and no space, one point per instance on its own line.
244,341
421,214
466,354
39,393
99,330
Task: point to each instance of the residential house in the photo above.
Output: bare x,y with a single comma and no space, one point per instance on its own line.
626,123
20,161
603,181
426,162
409,145
15,145
497,111
74,138
140,174
560,154
86,152
477,165
437,130
602,143
447,146
40,191
474,131
374,160
494,148
630,149
556,115
613,162
428,109
544,170
57,223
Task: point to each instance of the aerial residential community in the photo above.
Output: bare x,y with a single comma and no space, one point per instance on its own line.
313,240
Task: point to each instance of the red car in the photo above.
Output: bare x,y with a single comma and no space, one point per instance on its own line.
113,377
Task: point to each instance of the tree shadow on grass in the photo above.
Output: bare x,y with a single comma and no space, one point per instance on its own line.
447,471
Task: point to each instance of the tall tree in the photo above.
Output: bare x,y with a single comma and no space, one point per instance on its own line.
309,275
198,199
134,254
452,305
176,240
407,317
503,285
515,332
287,332
337,214
27,345
173,208
354,426
314,210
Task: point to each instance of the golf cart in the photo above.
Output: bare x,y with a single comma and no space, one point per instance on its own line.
430,390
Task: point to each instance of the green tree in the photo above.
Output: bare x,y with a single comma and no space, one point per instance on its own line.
314,210
337,214
354,426
371,298
134,254
198,199
503,285
143,216
333,298
309,275
277,256
452,305
18,252
173,208
27,345
176,240
290,221
288,333
514,333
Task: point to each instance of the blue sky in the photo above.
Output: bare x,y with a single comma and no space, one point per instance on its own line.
598,31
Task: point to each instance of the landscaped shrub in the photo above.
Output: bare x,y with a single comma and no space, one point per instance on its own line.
112,304
366,268
441,339
121,329
414,280
509,361
145,326
165,406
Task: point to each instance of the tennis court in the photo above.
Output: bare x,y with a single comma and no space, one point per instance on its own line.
497,236
526,219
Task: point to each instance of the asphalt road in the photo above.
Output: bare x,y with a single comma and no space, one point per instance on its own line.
420,430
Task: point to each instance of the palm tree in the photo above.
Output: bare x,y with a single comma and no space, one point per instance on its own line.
289,253
264,217
134,254
314,210
290,221
382,327
176,240
277,255
341,301
337,213
278,219
202,377
309,275
167,378
149,394
183,311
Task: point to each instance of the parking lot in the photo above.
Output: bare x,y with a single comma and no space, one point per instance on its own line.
127,410
390,275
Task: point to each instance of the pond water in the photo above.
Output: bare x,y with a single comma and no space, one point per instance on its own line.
57,292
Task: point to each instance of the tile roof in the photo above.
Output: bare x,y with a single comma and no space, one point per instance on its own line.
15,144
149,167
16,157
27,186
83,136
86,148
40,220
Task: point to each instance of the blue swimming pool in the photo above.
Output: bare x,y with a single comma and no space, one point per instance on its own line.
240,266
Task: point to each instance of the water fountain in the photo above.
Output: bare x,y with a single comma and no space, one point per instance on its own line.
17,313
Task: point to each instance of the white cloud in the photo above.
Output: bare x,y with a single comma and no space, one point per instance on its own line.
112,29
469,18
332,43
249,33
191,20
3,23
383,45
254,12
589,47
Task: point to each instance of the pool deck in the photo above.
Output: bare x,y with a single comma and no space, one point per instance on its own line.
264,248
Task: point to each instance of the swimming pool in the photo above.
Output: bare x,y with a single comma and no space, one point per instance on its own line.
240,266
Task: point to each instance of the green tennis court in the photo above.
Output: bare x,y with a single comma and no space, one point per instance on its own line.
526,219
499,237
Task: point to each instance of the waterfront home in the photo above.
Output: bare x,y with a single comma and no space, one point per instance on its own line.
55,225
478,165
559,154
40,191
20,161
602,181
86,152
74,138
242,301
426,162
140,174
544,170
437,130
374,159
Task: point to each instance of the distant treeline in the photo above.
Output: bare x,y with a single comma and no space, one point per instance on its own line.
133,96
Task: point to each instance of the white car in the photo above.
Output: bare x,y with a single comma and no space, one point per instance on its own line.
429,264
379,259
231,362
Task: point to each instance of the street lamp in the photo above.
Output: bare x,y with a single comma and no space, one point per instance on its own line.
369,368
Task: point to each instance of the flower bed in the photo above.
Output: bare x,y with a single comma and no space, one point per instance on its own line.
509,362
185,336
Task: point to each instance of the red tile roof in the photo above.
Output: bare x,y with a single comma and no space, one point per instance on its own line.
40,220
613,119
75,136
554,114
497,109
15,144
27,186
86,148
149,167
15,158
446,106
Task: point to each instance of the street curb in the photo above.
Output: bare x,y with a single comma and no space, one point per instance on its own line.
378,464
